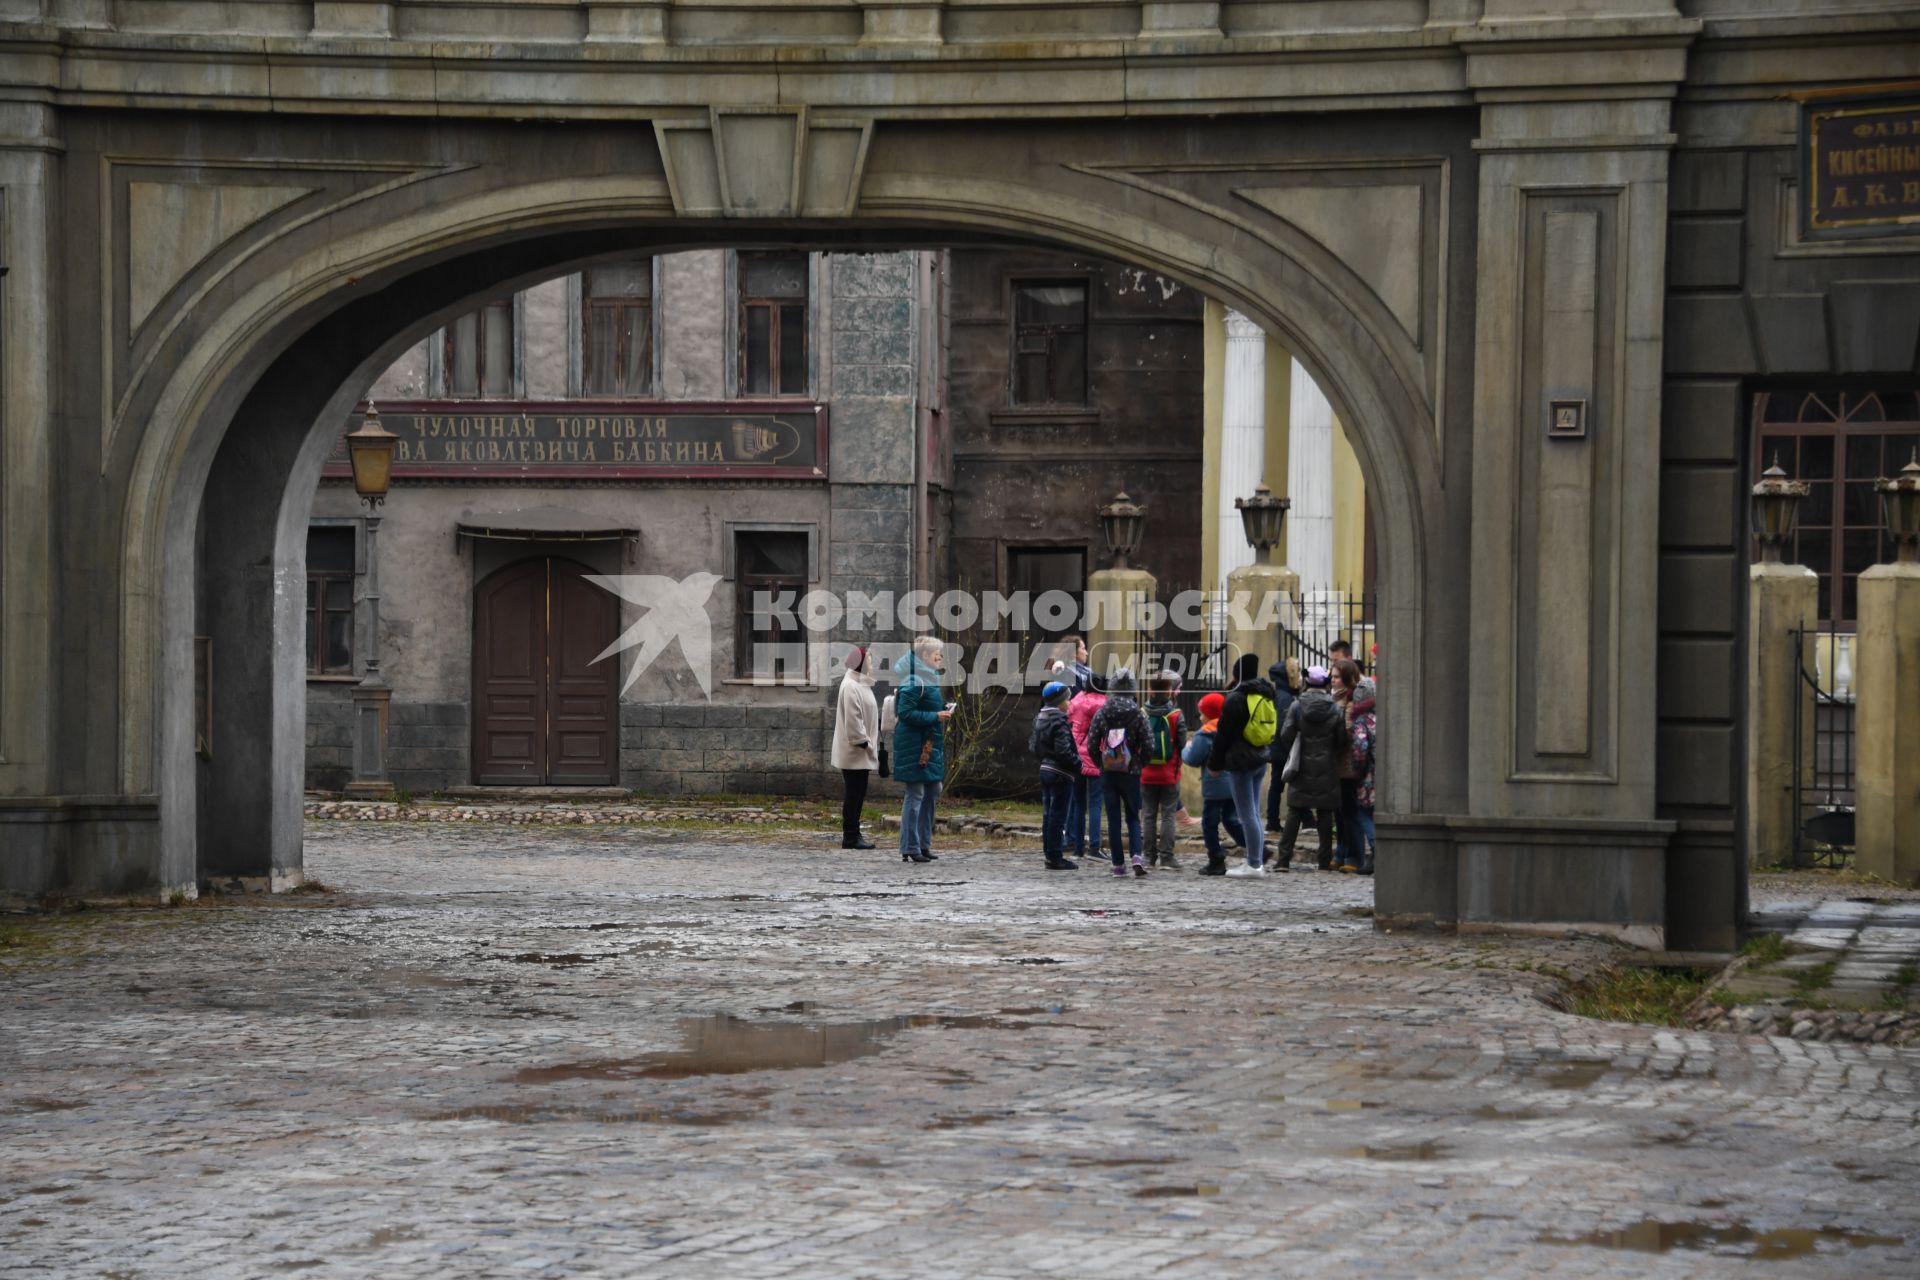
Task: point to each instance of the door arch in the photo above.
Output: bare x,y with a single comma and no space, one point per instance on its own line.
545,711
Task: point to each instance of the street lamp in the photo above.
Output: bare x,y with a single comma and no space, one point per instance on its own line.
1900,500
370,450
1776,505
1122,522
1263,516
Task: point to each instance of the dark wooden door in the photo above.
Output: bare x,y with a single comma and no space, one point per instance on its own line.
543,710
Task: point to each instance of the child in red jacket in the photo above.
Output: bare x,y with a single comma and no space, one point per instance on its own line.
1160,779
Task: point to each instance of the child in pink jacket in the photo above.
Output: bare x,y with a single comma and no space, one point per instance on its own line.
1083,810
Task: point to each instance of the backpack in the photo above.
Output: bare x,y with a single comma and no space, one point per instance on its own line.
1161,725
1262,721
1114,755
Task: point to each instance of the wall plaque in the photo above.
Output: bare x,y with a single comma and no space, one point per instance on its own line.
1567,420
1860,166
594,440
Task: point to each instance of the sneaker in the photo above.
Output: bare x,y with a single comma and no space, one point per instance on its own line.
1167,863
1140,868
1345,868
1244,870
1062,864
1120,870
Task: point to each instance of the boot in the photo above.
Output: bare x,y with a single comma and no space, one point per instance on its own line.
1057,863
1216,865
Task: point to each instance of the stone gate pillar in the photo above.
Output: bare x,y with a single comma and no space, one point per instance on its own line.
1561,829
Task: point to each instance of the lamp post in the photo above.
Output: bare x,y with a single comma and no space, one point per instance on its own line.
370,450
1900,503
1121,523
1263,516
1776,505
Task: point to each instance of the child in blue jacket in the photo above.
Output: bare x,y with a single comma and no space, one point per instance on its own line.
1218,811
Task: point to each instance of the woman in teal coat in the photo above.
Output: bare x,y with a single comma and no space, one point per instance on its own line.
920,714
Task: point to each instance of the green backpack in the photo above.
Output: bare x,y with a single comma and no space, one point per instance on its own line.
1161,723
1262,721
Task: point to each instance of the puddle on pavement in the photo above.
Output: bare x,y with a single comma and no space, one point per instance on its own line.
1343,1105
1787,1242
1413,1151
1491,1112
967,1121
722,1044
1168,1193
1579,1074
47,1104
552,957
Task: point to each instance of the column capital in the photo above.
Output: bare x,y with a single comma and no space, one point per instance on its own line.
1242,328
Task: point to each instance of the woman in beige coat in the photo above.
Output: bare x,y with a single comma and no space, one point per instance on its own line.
856,745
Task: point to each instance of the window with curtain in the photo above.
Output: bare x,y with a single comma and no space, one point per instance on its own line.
773,324
479,352
616,324
329,601
1049,364
1839,442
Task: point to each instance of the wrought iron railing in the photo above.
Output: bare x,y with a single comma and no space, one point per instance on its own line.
1823,797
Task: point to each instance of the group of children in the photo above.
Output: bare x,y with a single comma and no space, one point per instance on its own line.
1100,751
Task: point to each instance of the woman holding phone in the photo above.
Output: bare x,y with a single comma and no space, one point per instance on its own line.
920,713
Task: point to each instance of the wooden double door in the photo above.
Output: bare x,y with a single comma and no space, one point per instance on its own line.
544,712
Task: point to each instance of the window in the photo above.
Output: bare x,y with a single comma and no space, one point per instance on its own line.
1839,442
616,359
770,573
773,324
329,601
1049,342
1038,570
479,352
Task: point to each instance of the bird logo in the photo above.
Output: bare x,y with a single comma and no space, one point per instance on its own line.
676,609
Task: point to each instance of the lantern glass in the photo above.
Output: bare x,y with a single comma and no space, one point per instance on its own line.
1776,509
1122,523
370,450
1900,504
1262,517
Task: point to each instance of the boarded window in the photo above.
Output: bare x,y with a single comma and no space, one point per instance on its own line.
1049,342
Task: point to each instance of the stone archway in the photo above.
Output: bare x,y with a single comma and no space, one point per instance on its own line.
256,392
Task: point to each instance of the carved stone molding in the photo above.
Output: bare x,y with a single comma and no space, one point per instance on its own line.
764,162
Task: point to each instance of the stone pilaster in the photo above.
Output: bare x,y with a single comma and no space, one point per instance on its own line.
1255,592
1886,668
1116,600
1781,598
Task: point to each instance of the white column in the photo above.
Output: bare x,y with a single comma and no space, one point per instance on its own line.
1310,484
1243,435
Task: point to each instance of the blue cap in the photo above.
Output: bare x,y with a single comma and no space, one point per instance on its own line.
1053,690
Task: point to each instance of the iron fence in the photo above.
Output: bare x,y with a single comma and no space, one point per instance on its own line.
1323,616
1823,800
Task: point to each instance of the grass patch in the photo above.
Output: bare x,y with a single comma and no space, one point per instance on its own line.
1638,995
1766,948
1815,979
311,886
12,939
1907,974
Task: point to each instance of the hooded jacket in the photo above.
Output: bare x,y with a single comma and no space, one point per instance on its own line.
1213,786
1052,742
1316,720
1360,726
1080,713
1123,713
1168,773
917,705
1232,753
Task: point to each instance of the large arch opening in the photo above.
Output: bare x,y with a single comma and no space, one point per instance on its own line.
252,409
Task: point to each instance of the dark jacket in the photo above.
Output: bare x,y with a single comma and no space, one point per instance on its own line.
1052,742
1121,712
916,720
1317,721
1232,753
1213,786
1283,692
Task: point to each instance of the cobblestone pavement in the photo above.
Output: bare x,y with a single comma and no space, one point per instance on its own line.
500,1051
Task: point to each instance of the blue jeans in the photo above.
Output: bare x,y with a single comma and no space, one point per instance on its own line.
916,816
1083,815
1245,786
1122,792
1366,825
1056,797
1214,815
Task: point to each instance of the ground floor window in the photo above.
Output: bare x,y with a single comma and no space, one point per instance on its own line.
770,576
329,601
1839,442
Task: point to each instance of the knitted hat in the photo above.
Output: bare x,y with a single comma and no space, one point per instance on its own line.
857,660
1053,692
1211,705
1316,676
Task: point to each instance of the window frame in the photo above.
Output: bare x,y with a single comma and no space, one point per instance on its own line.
583,319
1842,428
442,362
745,303
316,664
745,584
1015,334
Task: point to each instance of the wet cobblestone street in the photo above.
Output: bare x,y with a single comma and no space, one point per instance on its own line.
535,1051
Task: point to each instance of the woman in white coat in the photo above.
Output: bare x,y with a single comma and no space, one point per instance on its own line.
856,745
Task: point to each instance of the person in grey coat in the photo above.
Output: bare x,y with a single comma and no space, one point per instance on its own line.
1317,724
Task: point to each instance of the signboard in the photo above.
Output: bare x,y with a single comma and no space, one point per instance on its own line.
1860,160
594,440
